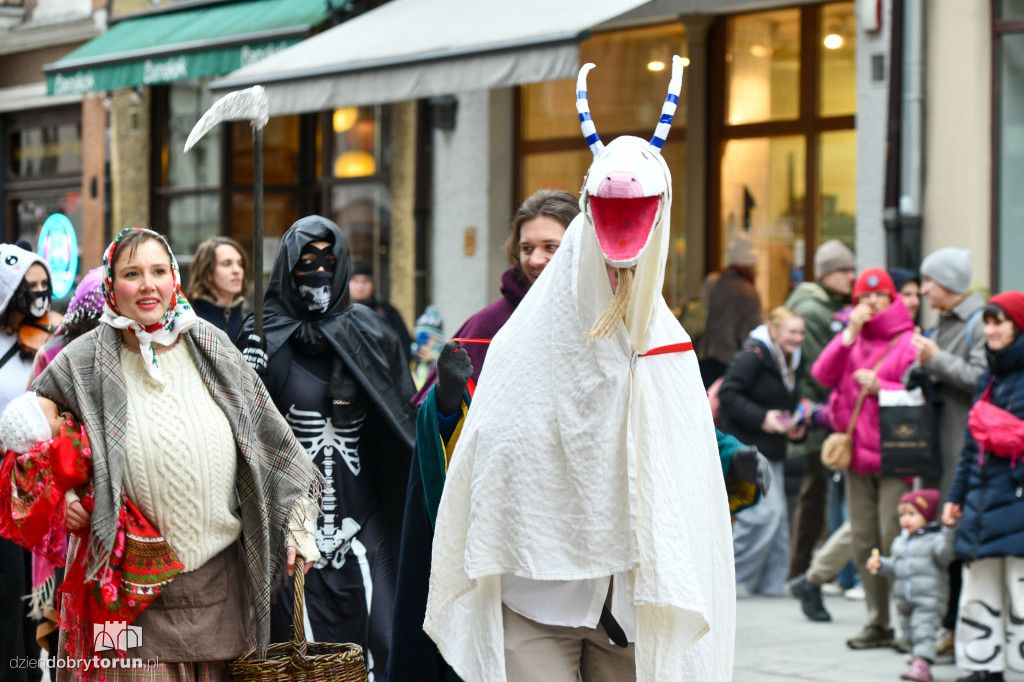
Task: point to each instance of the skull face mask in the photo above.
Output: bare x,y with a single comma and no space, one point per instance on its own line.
314,275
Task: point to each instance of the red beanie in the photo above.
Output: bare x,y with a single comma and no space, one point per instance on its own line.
925,501
1013,303
873,279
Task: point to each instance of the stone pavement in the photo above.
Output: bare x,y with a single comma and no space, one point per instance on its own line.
776,643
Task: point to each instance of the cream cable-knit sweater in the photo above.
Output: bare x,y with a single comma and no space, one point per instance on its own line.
176,432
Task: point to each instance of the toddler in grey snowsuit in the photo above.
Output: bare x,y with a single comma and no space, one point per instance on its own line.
917,562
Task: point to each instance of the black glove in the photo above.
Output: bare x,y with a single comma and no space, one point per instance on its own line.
751,466
453,371
255,353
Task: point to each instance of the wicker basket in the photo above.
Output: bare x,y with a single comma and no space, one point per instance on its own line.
298,660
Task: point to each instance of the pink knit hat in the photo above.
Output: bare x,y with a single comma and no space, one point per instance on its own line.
925,501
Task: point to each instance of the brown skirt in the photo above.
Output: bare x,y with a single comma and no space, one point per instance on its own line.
201,616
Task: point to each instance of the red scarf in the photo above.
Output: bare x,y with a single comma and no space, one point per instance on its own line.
32,513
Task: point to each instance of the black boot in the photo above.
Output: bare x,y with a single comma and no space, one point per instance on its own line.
982,676
810,598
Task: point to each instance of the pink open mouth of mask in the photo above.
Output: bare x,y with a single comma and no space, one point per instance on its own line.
623,224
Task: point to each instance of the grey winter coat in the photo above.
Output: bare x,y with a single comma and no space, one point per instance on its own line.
918,563
957,367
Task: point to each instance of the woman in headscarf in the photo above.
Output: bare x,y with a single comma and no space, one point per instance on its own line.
338,374
183,434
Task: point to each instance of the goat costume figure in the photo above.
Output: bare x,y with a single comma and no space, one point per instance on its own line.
603,465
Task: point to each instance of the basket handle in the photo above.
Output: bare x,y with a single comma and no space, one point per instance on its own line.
298,617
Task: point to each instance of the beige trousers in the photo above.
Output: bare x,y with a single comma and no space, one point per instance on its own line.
534,651
832,556
875,524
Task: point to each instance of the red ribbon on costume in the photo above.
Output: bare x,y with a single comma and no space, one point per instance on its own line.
670,348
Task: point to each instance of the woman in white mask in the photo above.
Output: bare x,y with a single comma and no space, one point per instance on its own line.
25,294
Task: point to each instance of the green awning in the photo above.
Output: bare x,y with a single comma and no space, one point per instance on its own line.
192,43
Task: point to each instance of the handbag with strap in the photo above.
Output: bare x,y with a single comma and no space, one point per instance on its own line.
837,450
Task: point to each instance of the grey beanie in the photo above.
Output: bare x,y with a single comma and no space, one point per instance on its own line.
950,268
831,256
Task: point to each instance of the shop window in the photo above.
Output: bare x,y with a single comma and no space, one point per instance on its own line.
42,177
627,86
762,195
45,151
783,138
186,206
626,91
763,66
837,193
356,189
1008,150
332,163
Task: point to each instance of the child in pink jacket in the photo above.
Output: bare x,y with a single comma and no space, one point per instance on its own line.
880,330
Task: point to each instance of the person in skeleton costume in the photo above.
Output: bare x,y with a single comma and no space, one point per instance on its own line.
337,373
26,291
584,524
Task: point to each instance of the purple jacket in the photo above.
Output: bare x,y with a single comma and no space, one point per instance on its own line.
484,325
835,366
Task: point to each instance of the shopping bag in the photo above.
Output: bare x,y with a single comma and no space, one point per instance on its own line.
909,440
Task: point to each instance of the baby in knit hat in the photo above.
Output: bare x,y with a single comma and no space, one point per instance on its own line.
917,561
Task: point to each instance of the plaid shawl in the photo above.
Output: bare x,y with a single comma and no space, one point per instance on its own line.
273,469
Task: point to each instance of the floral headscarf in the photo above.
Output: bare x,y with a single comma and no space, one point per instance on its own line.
178,317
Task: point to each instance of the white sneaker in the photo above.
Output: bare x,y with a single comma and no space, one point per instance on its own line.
854,594
831,589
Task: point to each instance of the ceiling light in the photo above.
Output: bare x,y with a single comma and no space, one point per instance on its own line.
833,41
656,65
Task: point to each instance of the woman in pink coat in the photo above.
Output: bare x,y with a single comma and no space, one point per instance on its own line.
879,326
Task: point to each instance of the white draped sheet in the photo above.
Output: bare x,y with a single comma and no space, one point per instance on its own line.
579,461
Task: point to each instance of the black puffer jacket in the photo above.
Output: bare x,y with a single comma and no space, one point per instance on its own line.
753,385
991,493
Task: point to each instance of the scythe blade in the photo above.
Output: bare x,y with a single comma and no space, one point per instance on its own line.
250,105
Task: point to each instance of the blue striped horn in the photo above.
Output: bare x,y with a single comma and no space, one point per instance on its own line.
668,109
583,107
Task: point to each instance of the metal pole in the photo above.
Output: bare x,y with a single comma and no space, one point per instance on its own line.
257,238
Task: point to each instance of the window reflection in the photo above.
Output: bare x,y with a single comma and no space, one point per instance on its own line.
837,204
356,133
363,212
762,193
626,93
838,49
763,66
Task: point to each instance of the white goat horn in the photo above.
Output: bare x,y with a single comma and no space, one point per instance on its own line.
668,109
583,107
